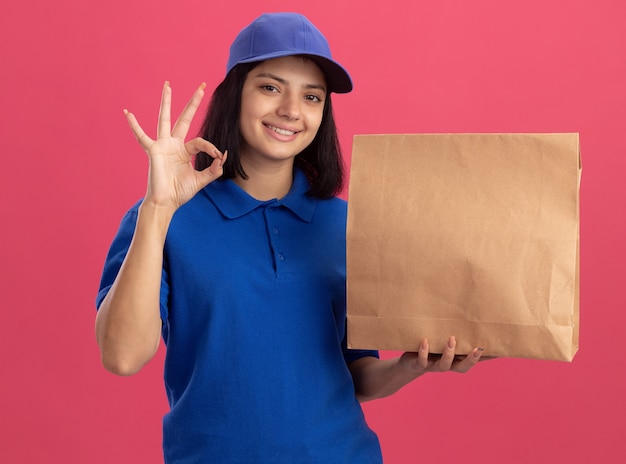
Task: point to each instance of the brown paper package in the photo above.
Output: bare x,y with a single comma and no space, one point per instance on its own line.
471,235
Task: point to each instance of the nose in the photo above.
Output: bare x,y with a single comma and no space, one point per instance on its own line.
289,106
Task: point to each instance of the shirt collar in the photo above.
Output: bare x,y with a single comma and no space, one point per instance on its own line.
233,202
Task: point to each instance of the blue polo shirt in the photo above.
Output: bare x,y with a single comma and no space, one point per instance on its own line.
253,303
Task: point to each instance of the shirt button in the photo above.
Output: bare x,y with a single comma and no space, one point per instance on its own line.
281,257
276,230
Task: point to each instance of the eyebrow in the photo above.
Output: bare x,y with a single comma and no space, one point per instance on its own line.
285,82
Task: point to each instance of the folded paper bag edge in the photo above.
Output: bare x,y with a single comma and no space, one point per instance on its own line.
489,336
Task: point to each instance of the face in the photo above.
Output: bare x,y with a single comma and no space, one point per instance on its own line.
282,104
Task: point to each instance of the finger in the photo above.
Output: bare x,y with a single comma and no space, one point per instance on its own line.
195,146
214,171
218,164
422,354
164,126
184,120
469,361
140,135
421,360
447,357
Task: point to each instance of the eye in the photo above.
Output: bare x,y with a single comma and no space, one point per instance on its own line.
269,88
313,98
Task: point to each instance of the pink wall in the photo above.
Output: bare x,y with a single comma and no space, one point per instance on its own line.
70,168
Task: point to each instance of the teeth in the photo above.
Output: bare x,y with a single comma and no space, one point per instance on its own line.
280,131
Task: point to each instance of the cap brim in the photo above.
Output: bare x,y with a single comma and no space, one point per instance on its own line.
337,78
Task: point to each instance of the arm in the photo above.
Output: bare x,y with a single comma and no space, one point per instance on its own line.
376,378
128,323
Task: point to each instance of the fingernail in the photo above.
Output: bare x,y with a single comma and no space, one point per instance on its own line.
452,342
478,352
202,86
424,345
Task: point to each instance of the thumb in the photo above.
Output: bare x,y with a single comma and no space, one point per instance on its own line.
214,171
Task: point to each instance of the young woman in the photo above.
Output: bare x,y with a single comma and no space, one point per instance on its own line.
238,264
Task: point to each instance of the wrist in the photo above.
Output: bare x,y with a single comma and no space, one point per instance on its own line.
154,216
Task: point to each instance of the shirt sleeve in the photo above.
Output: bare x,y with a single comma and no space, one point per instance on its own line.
352,355
116,255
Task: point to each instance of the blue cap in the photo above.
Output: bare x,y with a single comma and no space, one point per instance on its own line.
274,35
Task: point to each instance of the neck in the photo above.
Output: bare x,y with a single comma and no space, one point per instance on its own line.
266,181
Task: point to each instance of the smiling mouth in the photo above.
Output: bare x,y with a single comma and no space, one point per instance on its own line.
280,131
